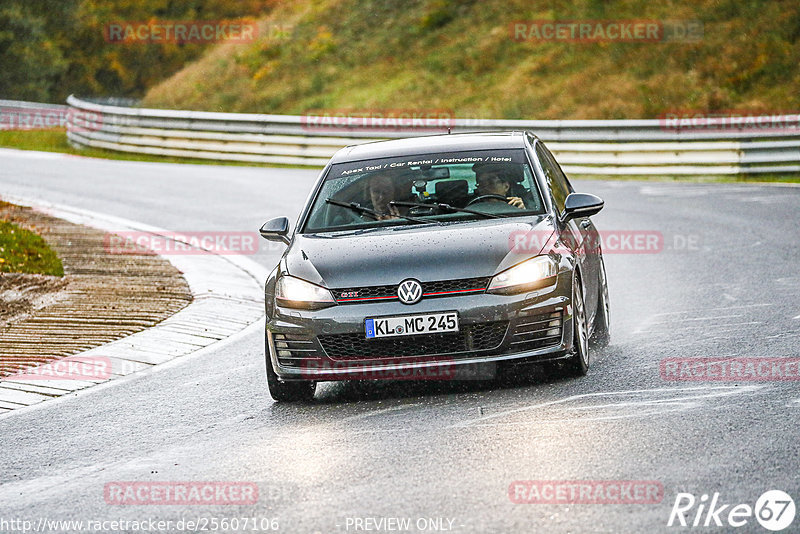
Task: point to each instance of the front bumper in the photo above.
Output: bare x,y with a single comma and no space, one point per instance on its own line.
330,344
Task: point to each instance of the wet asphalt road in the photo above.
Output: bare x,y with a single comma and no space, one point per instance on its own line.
726,284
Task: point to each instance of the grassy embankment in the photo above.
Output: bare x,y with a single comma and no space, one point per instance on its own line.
23,251
459,56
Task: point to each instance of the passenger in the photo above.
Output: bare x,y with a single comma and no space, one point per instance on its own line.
496,179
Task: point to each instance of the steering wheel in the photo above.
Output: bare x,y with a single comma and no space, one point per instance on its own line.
486,197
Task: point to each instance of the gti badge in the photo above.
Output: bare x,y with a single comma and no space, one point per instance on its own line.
409,291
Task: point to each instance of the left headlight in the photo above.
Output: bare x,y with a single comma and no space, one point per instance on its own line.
293,292
535,273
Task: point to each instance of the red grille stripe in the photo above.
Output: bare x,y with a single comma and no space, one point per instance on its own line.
424,295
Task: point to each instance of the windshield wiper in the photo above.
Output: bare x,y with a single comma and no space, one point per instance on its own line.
358,208
446,207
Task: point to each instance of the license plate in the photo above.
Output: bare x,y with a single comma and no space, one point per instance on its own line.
411,325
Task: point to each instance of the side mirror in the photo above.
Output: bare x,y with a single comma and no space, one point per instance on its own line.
276,230
581,205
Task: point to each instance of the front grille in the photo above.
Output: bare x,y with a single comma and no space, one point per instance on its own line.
537,331
293,349
441,288
485,336
454,286
365,293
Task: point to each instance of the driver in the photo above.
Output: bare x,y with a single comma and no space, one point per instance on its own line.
496,179
382,189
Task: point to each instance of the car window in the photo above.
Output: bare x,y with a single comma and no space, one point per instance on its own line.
497,182
557,181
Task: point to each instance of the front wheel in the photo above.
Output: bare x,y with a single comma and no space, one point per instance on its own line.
289,391
578,363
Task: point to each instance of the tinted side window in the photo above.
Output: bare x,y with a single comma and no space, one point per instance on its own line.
559,186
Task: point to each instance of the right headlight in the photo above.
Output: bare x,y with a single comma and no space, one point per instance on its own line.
536,273
292,292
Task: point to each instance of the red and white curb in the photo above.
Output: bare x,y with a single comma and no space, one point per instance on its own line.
228,302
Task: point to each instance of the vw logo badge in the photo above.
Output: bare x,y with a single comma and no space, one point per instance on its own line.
409,291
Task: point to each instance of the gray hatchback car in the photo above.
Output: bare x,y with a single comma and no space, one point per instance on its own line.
439,257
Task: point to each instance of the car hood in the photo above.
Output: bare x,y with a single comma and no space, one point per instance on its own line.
428,253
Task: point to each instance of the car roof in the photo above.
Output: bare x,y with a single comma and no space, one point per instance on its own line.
429,144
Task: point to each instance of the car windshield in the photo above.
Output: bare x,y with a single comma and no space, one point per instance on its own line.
446,187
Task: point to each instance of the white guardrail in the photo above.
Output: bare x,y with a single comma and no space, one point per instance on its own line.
20,115
583,147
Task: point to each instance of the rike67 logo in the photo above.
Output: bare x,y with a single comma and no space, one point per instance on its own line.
774,510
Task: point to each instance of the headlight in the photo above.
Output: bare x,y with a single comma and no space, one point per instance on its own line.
535,273
296,293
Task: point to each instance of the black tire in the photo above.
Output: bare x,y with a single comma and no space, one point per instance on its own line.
578,363
601,336
302,390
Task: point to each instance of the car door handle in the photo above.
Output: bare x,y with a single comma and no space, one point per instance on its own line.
586,224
